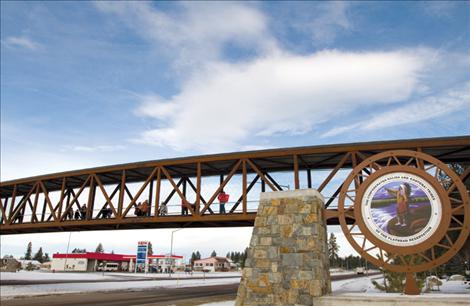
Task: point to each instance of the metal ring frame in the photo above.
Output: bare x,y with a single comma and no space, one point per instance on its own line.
444,243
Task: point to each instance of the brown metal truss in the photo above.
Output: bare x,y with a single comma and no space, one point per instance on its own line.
27,205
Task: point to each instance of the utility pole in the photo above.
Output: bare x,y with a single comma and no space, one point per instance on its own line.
171,250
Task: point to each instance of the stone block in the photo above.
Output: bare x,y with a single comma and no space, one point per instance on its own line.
260,254
286,231
265,241
287,258
291,260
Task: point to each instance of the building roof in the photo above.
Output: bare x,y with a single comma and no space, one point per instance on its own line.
108,256
214,258
92,255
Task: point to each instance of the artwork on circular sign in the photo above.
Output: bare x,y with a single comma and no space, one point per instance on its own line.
401,209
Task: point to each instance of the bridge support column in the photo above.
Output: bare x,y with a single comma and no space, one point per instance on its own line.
287,260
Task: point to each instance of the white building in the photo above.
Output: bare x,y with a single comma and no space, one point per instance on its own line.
212,264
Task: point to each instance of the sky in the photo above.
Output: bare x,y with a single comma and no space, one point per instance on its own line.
87,84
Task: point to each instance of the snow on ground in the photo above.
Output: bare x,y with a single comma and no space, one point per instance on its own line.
70,276
363,285
179,274
7,292
42,275
356,286
360,284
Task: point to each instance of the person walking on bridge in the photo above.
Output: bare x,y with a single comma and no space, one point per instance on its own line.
83,212
223,198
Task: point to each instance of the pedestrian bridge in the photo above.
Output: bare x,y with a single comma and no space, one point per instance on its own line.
182,192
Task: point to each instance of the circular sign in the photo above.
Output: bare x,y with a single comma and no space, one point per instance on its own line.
401,209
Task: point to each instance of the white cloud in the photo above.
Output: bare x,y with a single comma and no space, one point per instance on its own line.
195,32
457,99
99,148
440,9
221,104
332,18
21,42
284,93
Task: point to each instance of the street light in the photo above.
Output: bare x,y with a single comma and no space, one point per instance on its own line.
67,252
171,247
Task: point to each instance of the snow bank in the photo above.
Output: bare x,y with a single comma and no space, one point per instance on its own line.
179,275
43,275
363,285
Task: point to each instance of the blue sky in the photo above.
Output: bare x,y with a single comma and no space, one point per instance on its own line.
95,83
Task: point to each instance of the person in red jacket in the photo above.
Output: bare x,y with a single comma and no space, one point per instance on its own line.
223,198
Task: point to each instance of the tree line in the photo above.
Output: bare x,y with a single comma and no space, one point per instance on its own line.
39,255
349,262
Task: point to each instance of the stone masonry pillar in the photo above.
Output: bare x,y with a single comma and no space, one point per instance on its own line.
287,261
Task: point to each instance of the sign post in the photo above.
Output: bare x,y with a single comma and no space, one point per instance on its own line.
142,256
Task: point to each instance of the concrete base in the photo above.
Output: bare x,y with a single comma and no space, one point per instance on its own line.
398,300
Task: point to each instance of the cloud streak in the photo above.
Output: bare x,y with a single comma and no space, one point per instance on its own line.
21,42
92,149
194,33
457,99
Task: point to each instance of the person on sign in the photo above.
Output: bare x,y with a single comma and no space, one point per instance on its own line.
402,195
223,198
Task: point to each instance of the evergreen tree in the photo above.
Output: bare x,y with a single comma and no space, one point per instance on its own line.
228,255
193,258
213,254
99,248
244,255
39,256
198,255
333,249
76,250
237,257
46,258
394,281
29,251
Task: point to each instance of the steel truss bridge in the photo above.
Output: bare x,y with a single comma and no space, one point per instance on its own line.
46,203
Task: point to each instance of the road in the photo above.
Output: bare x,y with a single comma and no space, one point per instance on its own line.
17,282
187,296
